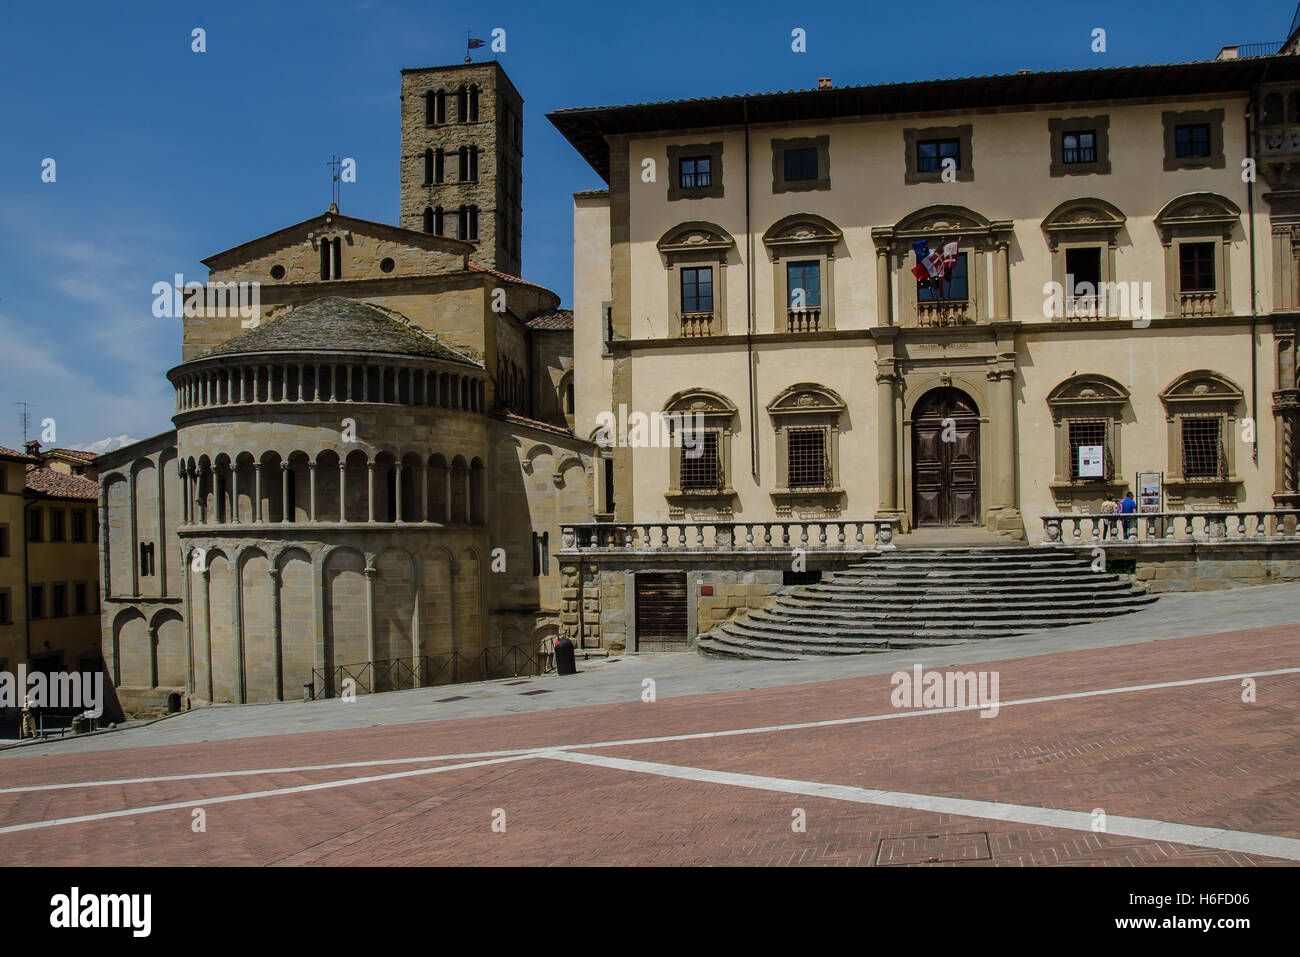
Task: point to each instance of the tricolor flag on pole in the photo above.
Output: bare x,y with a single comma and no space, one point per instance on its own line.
929,265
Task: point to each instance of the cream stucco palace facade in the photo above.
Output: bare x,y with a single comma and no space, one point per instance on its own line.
835,403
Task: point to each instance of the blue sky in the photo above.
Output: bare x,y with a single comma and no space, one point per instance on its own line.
165,156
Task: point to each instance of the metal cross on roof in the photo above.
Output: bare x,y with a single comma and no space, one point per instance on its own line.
335,164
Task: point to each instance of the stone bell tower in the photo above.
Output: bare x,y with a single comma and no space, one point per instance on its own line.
462,155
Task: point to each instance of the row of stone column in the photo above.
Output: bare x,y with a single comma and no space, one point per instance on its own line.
409,386
196,484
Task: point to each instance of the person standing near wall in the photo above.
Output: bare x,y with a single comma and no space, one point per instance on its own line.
1109,507
1128,507
29,717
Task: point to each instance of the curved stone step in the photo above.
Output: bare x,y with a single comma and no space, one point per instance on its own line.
920,598
784,615
1071,561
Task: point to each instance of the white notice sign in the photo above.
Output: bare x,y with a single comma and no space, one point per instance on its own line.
1091,461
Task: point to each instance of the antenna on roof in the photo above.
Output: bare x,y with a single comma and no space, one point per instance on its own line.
25,418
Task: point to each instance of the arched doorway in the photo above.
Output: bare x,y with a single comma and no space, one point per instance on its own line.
945,460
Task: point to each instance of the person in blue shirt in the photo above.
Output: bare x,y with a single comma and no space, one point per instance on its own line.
1128,507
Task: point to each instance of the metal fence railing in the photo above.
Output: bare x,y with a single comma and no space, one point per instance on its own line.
455,667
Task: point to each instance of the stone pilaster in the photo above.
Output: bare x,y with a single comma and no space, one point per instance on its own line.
570,586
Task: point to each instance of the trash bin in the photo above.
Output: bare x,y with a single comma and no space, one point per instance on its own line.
308,690
564,660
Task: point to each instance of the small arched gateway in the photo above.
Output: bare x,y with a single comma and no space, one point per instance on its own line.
945,460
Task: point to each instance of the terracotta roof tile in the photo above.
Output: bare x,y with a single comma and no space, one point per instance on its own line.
51,484
80,454
475,267
558,319
533,423
14,456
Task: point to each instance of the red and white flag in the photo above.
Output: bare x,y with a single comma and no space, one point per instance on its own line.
949,255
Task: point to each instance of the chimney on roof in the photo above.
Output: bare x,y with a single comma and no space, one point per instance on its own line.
824,83
33,447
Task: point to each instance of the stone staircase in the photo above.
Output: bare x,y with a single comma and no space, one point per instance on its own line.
914,597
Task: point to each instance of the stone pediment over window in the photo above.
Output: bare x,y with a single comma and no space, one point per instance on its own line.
1201,213
700,400
806,398
977,238
1202,391
1083,218
1087,394
696,238
955,222
802,231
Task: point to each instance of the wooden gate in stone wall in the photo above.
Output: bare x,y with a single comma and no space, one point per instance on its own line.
661,620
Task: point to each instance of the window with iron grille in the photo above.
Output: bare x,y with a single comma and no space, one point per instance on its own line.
800,164
1192,140
806,465
1196,267
696,172
697,289
703,471
1202,448
1088,433
930,154
1080,147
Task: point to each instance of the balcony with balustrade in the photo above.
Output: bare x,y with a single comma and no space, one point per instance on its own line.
1147,530
727,538
941,313
696,325
804,320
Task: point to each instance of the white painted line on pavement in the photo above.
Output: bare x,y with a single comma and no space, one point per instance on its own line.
1222,839
691,736
227,798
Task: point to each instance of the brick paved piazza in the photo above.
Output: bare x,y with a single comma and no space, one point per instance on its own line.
1140,720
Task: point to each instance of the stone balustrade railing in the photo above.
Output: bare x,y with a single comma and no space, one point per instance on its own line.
734,537
1227,525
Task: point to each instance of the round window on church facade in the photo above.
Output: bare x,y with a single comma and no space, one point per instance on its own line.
387,265
277,272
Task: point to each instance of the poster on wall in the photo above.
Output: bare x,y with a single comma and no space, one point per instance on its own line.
1149,491
1091,461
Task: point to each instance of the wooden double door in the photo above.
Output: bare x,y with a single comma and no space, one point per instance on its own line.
945,460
